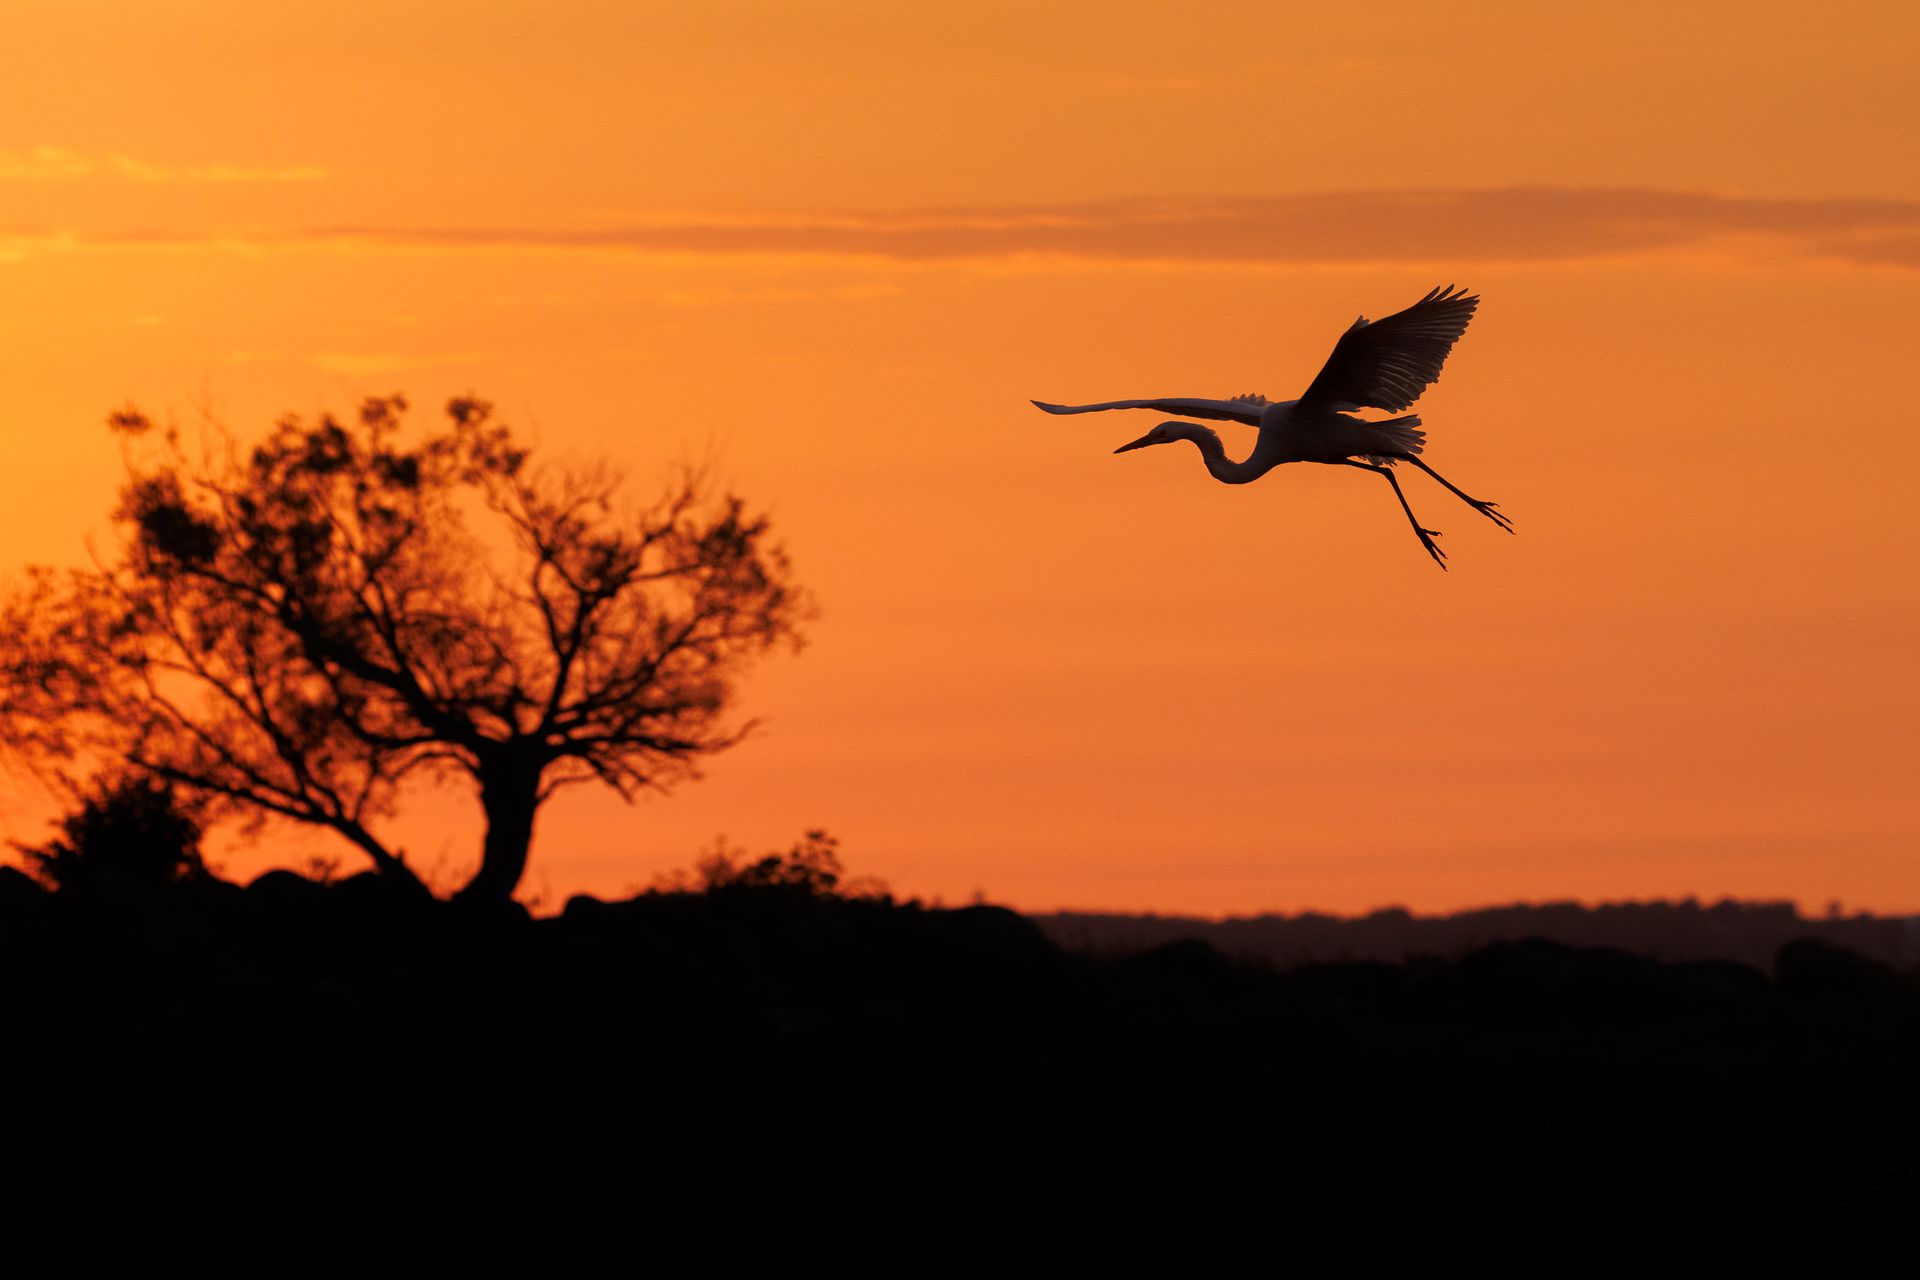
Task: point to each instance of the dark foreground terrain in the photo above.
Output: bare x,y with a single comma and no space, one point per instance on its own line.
1750,932
767,1025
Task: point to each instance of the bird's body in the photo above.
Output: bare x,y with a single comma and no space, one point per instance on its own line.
1382,364
1287,434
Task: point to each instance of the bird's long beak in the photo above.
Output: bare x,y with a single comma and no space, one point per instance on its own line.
1142,442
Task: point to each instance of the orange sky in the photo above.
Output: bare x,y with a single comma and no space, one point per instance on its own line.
839,245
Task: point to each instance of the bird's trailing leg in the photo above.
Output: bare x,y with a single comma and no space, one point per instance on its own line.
1487,509
1427,536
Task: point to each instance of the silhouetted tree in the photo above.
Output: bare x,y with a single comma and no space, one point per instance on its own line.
297,629
133,829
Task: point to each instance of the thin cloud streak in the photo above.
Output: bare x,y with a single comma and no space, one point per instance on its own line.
1516,225
58,164
1519,225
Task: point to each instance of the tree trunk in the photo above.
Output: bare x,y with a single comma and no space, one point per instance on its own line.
509,793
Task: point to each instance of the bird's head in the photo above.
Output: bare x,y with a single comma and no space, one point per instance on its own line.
1162,434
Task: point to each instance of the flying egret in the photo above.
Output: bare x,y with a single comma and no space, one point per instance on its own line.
1378,364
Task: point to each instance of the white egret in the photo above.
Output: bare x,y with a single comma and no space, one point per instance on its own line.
1379,364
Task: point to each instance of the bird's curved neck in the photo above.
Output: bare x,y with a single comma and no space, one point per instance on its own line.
1214,454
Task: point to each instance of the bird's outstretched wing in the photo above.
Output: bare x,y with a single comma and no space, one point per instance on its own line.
1387,363
1239,409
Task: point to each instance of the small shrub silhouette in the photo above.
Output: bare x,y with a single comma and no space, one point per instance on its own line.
132,830
810,869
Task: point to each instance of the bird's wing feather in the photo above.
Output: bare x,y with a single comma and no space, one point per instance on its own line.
1387,363
1239,409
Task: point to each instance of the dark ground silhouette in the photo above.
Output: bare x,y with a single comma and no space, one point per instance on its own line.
770,1018
1749,932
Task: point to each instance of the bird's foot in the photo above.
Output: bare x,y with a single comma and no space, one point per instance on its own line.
1427,537
1492,512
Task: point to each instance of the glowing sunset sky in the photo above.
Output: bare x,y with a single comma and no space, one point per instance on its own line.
838,246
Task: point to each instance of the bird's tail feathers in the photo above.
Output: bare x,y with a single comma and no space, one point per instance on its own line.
1400,436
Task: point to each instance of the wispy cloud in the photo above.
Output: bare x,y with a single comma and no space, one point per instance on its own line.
57,164
1513,225
1517,225
43,164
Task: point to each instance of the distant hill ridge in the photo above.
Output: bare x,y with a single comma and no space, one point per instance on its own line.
1748,932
